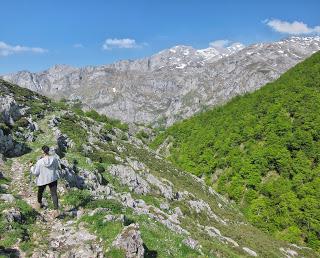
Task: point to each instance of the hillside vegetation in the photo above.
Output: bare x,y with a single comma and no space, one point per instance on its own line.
262,150
118,198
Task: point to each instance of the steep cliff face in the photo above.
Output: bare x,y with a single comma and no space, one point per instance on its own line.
173,84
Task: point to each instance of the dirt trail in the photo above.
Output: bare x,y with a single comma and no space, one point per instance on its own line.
57,237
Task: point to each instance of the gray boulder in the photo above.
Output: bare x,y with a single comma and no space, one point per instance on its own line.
12,215
164,188
130,178
250,252
110,217
130,241
7,198
4,187
193,244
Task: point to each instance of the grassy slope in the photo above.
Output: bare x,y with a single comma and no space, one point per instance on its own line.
264,149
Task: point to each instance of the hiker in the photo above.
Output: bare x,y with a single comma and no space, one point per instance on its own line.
47,172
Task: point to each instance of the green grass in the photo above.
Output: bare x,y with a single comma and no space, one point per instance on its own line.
171,243
70,126
115,253
10,233
77,198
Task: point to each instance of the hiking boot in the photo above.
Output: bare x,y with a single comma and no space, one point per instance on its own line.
39,206
56,214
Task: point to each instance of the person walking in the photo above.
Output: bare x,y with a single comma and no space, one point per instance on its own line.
47,172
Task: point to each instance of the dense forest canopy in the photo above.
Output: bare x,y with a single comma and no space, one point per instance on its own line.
263,151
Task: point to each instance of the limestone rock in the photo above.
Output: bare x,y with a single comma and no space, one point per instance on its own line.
4,186
130,178
164,206
250,252
10,111
193,244
130,240
165,189
7,198
289,253
110,217
202,206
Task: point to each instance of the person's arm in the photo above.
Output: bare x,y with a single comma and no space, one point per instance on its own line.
58,164
35,170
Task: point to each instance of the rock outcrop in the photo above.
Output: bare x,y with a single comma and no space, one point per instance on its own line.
130,241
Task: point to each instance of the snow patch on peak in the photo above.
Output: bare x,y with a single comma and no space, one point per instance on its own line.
181,66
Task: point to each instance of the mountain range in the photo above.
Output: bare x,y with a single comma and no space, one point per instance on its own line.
173,84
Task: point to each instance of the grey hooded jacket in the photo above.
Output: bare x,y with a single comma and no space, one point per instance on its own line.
46,170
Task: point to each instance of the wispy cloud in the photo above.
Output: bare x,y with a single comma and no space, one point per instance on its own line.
121,43
294,28
221,43
78,45
6,49
224,43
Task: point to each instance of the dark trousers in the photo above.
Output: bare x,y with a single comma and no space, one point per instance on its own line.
53,190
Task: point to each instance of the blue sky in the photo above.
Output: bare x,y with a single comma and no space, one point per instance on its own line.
35,35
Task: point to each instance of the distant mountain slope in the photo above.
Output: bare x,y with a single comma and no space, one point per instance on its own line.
263,151
173,84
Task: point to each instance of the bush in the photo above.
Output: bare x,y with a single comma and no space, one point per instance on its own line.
22,122
142,135
5,129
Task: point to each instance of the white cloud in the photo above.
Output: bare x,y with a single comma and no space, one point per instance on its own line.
121,43
294,28
78,45
221,43
6,49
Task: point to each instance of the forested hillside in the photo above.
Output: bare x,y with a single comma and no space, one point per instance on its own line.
263,151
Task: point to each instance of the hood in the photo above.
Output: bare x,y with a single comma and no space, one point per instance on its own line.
48,160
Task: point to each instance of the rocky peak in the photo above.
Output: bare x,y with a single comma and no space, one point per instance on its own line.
61,69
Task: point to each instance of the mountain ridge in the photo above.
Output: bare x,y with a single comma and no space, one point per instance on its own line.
168,87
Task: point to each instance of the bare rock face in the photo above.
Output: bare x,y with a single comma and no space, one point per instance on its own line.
129,177
172,84
9,110
130,240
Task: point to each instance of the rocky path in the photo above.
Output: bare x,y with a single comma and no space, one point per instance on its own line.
56,237
20,184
